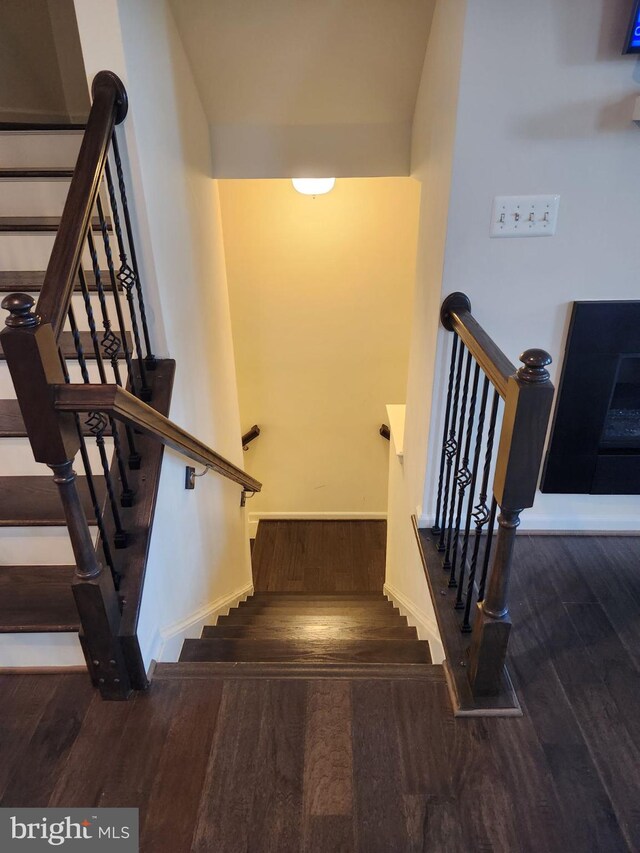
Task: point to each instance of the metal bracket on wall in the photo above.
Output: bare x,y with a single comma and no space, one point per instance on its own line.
246,494
190,476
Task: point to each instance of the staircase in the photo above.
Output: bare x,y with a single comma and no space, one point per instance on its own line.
280,634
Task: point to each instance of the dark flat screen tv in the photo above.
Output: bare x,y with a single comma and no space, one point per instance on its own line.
632,44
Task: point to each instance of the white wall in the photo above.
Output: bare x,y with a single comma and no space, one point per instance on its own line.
545,106
432,156
320,294
199,551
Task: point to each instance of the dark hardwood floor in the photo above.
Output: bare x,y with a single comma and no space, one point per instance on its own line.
319,556
369,765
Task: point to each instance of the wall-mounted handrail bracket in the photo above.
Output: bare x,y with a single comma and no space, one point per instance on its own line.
190,476
244,497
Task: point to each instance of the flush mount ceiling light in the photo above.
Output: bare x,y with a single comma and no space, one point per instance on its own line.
313,186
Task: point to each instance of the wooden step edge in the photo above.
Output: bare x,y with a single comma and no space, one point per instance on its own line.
30,281
44,173
40,627
278,632
41,127
302,596
39,224
209,670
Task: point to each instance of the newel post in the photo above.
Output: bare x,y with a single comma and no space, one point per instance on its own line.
34,363
526,417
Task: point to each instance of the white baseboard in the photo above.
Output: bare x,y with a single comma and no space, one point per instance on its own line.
168,641
423,622
255,517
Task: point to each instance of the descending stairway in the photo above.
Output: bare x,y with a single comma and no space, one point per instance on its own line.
294,634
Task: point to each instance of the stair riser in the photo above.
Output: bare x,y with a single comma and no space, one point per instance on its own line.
31,197
32,251
39,149
326,610
27,546
16,458
7,391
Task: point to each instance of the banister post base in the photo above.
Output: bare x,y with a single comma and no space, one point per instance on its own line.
97,603
488,652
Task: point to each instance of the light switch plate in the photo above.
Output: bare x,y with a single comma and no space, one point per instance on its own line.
524,215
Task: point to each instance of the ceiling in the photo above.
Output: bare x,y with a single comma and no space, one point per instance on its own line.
273,75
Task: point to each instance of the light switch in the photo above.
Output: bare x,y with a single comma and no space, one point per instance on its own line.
524,215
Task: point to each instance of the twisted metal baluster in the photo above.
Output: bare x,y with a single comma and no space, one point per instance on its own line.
111,343
481,512
451,446
127,277
463,478
84,453
436,527
446,563
472,490
150,358
134,456
487,550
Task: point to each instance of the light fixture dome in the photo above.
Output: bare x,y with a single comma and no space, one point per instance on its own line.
313,186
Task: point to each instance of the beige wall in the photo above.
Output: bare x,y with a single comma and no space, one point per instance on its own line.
320,292
40,62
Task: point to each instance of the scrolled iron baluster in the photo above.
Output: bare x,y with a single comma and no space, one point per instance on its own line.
150,358
481,514
84,453
450,448
457,472
97,423
127,277
134,456
435,530
464,479
487,550
472,490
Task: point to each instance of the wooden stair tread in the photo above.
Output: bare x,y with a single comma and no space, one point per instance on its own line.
12,424
35,502
30,281
308,609
317,596
69,350
38,224
325,632
45,172
307,651
318,602
37,599
246,617
208,670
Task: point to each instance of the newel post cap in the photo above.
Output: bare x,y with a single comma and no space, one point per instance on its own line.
19,306
535,363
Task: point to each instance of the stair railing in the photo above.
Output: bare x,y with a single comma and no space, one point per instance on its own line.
72,385
482,386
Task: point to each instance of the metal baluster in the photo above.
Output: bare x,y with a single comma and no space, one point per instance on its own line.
150,358
472,490
116,296
134,456
446,563
487,550
84,453
121,537
111,347
451,446
481,513
127,277
463,479
436,527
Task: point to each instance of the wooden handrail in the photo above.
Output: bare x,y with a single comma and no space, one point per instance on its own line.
455,316
118,403
109,108
250,435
